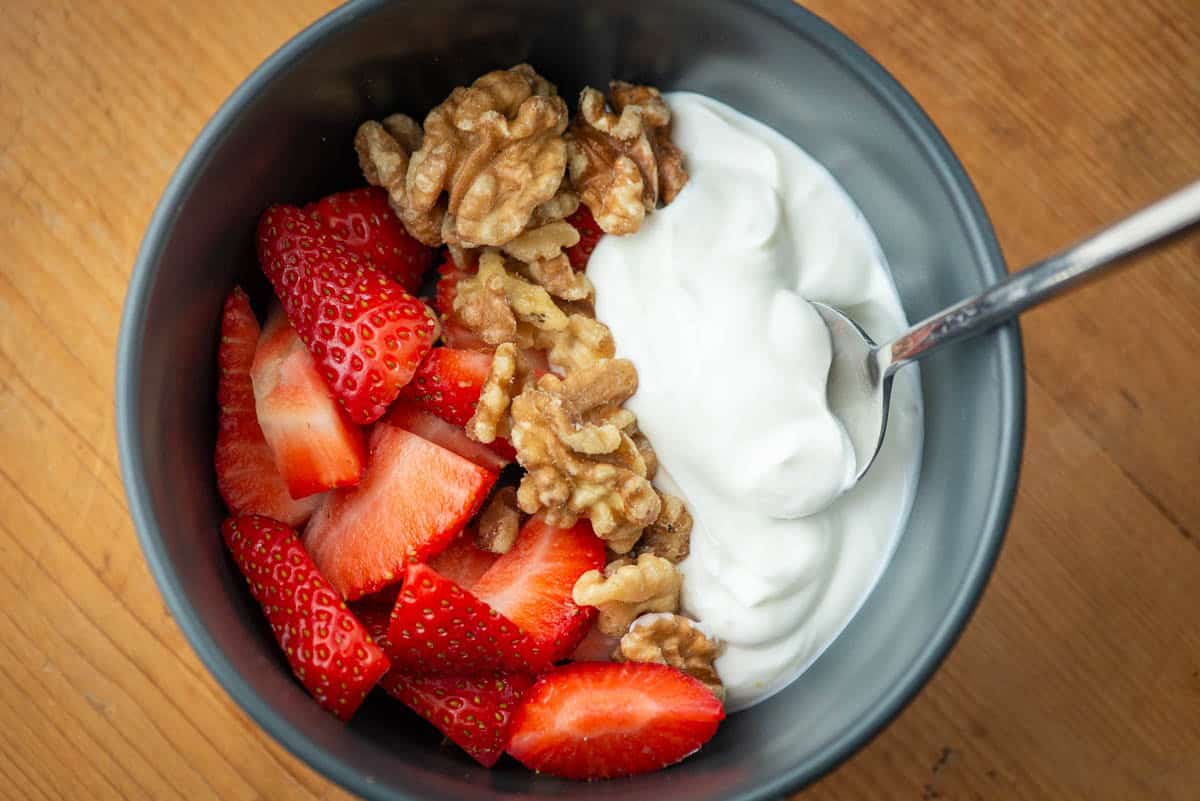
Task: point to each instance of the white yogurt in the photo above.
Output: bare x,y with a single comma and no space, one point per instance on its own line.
709,300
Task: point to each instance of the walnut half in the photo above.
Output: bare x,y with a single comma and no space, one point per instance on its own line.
670,535
627,588
571,435
492,153
622,162
668,639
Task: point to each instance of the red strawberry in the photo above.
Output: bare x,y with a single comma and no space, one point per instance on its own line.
463,561
363,221
366,334
473,711
531,584
316,447
427,425
449,274
413,498
596,646
448,383
438,628
247,477
456,335
589,234
597,720
328,648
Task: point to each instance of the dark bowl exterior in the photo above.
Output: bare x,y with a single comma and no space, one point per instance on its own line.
286,135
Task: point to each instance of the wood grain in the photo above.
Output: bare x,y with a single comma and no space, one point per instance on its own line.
1078,678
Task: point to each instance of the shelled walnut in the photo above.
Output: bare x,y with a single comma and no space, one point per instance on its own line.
495,150
570,435
500,305
541,252
384,151
490,155
669,639
494,300
669,536
622,162
629,588
499,522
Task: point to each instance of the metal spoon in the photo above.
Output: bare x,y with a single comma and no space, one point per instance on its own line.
860,375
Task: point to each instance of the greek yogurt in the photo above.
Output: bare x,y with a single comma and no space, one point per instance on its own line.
710,301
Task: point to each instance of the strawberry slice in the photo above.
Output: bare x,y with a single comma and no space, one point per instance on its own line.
364,222
475,712
596,646
413,498
449,274
438,628
427,425
448,383
366,334
463,561
531,584
247,477
597,720
589,235
327,647
316,447
456,335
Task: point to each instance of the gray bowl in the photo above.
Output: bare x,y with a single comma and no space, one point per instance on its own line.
285,135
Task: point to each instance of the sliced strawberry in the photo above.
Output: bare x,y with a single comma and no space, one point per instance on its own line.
413,498
364,222
589,234
438,628
448,383
596,646
597,720
473,711
427,425
328,648
366,334
247,477
463,561
449,274
531,585
316,446
456,335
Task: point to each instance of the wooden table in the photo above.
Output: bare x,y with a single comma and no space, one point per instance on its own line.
1078,678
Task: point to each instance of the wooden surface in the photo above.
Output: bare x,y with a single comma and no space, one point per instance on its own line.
1078,678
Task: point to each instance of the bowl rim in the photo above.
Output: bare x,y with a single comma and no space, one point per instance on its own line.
127,406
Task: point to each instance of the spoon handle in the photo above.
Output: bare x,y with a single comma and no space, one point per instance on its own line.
1009,297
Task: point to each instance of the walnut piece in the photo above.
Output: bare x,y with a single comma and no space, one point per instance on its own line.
647,450
571,435
494,300
627,588
670,535
501,305
492,153
623,162
384,154
541,251
669,639
491,412
499,521
583,342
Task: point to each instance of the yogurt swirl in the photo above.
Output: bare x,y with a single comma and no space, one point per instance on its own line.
710,301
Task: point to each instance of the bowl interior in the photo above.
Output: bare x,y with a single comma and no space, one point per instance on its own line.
286,136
